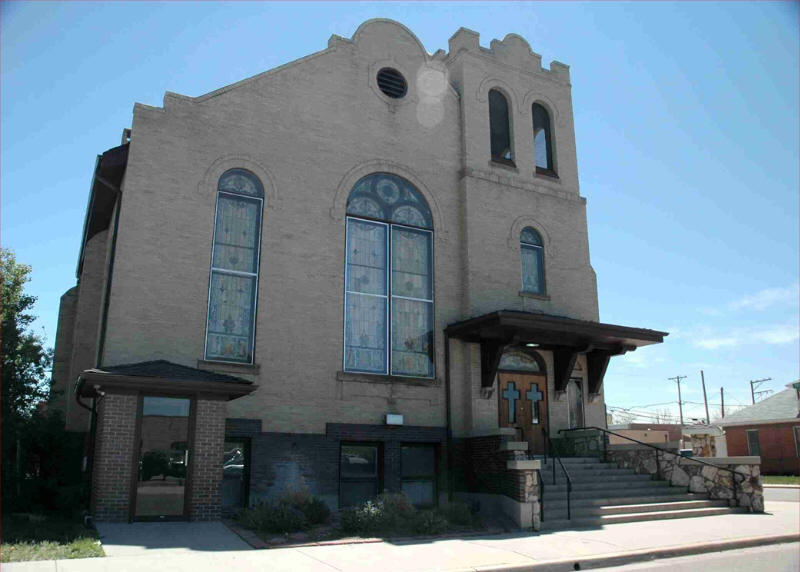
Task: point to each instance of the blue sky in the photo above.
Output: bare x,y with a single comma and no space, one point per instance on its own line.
686,120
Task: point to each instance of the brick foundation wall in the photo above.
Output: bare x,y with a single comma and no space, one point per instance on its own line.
111,474
205,499
285,461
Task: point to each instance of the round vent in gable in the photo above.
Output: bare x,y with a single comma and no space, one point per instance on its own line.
392,83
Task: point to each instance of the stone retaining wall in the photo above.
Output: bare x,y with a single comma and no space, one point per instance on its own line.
697,477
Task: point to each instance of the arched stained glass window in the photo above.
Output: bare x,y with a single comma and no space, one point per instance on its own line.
542,141
500,128
532,255
233,284
519,360
388,325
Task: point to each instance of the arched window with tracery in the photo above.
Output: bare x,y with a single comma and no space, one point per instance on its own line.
388,315
542,141
532,254
500,128
233,286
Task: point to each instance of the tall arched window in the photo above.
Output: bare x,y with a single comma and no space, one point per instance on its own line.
532,255
500,127
230,329
388,320
542,141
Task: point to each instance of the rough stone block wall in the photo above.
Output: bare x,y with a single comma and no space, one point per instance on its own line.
715,481
113,457
209,436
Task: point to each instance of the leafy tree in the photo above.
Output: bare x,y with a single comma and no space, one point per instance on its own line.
24,363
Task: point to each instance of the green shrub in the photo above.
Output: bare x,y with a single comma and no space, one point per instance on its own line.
316,511
429,522
277,517
460,514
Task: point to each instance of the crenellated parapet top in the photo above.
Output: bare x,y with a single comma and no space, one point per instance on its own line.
513,50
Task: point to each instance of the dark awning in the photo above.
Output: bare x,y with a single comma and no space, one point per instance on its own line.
565,337
108,173
163,377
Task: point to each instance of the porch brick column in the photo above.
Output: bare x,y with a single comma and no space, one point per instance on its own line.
206,465
113,455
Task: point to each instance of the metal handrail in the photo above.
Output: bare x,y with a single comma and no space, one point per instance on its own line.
541,494
554,454
659,449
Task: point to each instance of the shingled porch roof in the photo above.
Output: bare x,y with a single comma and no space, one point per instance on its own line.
565,337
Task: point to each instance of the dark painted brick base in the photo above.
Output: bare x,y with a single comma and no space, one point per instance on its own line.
286,461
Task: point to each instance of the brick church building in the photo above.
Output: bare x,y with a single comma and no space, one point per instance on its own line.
350,273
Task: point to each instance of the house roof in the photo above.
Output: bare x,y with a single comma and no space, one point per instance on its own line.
783,406
167,370
161,376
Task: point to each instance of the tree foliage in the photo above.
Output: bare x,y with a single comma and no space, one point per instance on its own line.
25,360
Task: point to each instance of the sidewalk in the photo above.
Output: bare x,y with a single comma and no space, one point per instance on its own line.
613,545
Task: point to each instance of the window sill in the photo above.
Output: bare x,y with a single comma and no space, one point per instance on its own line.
550,174
379,378
229,367
534,295
504,164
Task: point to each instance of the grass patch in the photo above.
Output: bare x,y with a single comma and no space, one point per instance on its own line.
780,480
47,537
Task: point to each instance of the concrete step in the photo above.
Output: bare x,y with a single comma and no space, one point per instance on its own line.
663,497
585,473
598,488
560,512
580,476
598,521
581,468
612,494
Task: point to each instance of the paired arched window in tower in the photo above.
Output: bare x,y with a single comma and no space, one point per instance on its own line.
500,127
532,255
388,321
501,137
230,327
542,140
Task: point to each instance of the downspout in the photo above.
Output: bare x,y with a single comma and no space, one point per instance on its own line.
89,451
448,409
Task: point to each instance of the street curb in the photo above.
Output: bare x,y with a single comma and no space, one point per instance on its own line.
781,486
645,555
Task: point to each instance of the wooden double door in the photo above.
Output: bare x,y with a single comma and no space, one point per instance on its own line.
523,406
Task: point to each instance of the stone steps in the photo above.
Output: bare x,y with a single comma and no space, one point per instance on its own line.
602,520
577,512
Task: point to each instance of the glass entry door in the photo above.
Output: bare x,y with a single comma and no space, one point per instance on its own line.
163,458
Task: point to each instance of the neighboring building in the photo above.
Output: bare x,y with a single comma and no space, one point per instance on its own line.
340,274
769,429
673,430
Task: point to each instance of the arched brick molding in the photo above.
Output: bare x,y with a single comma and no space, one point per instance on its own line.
208,185
526,220
339,206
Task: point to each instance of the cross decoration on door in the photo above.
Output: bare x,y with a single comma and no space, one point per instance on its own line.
511,395
535,397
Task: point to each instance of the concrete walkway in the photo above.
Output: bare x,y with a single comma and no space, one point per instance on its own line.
609,546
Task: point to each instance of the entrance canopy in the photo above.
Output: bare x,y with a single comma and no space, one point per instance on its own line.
163,377
567,338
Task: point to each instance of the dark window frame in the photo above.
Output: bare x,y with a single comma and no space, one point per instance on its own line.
501,134
539,250
434,478
537,110
379,476
748,433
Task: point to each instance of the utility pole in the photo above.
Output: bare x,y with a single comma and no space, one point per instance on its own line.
755,383
705,399
677,379
722,400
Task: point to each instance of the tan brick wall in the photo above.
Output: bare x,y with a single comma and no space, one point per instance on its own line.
61,387
309,130
113,457
206,465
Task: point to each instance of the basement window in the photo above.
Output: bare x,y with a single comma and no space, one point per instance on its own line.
392,83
